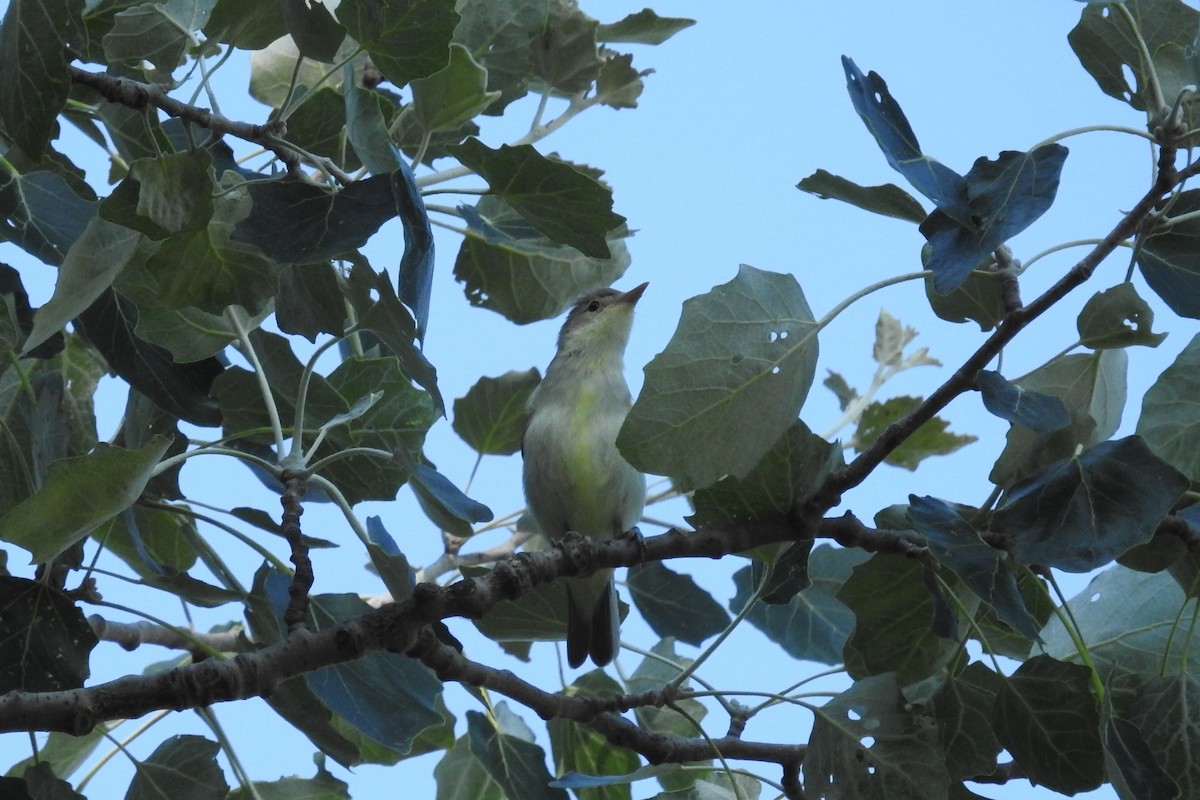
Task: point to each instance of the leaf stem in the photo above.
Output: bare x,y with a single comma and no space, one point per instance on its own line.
237,318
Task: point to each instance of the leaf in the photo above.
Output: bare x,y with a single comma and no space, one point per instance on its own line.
931,439
500,35
1038,412
787,475
246,27
43,215
1092,387
1110,51
728,384
1117,317
32,59
527,279
319,125
1131,764
565,204
491,416
985,570
416,264
181,768
386,696
892,629
296,222
366,129
179,388
980,298
1168,260
314,30
393,568
461,776
1129,620
564,55
814,625
536,616
406,39
644,27
889,200
156,32
455,94
1167,714
582,756
1004,197
1047,717
165,195
518,766
619,85
309,300
865,743
845,393
64,753
887,123
89,268
79,494
45,640
1083,512
272,67
963,710
660,667
322,786
442,501
673,605
1169,409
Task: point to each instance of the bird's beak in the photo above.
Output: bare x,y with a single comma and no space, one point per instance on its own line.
631,297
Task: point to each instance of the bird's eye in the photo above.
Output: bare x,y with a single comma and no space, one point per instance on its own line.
594,305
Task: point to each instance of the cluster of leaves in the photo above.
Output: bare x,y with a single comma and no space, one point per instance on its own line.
191,252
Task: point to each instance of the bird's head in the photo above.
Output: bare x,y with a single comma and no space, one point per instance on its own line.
599,322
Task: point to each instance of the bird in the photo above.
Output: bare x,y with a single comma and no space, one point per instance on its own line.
574,477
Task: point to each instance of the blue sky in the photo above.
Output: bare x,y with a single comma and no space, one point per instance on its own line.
740,108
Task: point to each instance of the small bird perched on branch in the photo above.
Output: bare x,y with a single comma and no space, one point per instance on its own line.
575,480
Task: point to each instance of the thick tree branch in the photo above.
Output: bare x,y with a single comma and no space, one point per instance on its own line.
138,95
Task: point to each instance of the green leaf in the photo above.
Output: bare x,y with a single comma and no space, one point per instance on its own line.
1167,714
1131,764
567,205
729,383
1168,258
984,569
980,298
366,129
1092,387
44,638
518,766
889,199
33,61
43,214
1047,717
528,279
319,125
156,32
786,476
89,268
207,270
963,709
931,439
673,605
393,568
322,786
181,768
177,387
79,494
1117,317
1129,620
564,55
491,415
165,195
64,753
893,613
455,94
536,616
1081,513
1169,409
309,300
314,30
462,776
444,503
247,27
1110,51
644,27
814,625
500,35
406,39
619,85
866,743
999,637
577,750
272,67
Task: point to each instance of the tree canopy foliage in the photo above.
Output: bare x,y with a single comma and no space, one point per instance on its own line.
223,280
